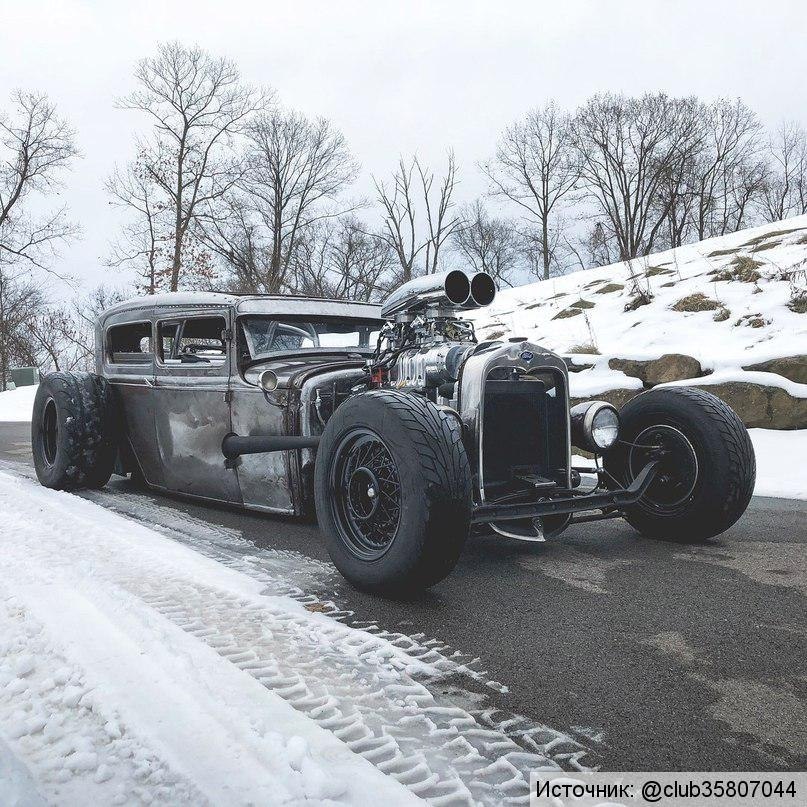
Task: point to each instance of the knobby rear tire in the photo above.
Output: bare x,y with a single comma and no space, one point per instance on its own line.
80,452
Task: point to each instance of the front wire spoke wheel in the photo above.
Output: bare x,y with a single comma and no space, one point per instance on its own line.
365,494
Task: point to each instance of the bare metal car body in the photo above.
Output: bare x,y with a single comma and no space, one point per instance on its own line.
176,415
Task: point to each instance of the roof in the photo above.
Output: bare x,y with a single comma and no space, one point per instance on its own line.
246,304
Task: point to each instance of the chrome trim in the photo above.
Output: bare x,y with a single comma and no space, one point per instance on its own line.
444,290
471,385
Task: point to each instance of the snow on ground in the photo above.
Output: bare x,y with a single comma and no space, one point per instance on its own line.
134,670
16,405
752,322
781,469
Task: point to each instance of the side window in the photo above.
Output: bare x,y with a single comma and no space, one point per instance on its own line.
130,344
196,340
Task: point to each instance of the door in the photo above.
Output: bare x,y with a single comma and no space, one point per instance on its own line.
191,405
129,367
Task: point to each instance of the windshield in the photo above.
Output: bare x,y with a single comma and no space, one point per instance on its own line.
268,336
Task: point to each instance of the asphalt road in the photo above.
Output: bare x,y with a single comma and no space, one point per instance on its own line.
682,657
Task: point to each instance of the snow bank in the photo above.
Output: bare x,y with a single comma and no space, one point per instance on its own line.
16,404
754,323
106,700
781,469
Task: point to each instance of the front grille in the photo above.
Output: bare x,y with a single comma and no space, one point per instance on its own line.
524,428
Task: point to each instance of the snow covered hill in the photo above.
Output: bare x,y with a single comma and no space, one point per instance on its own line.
732,310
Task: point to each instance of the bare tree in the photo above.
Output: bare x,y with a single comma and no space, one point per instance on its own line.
295,173
536,166
145,241
730,141
628,148
488,244
36,147
21,300
413,185
339,260
197,103
785,187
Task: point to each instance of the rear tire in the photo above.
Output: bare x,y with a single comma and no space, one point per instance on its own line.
73,431
705,483
392,487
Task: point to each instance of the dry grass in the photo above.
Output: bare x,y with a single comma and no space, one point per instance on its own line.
696,302
759,239
652,271
495,335
752,321
568,312
639,299
742,269
798,301
581,303
718,252
762,247
609,288
586,347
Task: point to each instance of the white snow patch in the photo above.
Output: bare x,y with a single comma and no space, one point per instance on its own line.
193,726
16,405
781,470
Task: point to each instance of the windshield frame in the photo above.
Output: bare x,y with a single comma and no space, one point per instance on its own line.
293,319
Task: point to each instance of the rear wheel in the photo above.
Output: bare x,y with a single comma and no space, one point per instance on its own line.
707,467
393,491
73,431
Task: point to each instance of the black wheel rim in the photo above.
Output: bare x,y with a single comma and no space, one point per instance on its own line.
677,474
365,494
50,431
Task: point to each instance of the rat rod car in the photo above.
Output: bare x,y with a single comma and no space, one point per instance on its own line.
392,423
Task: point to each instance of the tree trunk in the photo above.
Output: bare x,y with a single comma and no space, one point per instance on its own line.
545,246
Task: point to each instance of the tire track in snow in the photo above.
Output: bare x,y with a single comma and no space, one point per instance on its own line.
371,688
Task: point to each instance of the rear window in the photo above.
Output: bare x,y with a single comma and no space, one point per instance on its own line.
130,343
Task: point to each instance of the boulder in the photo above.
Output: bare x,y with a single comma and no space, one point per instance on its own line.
615,397
669,367
792,367
760,405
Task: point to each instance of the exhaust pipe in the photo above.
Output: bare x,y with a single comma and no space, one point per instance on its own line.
448,289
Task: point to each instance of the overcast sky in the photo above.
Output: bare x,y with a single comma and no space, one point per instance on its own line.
395,76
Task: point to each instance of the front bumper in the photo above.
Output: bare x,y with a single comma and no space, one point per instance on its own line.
568,502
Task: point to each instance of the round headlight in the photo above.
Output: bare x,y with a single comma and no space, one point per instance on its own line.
605,427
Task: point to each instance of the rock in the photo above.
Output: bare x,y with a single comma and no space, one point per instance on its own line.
615,397
669,367
760,405
575,368
672,367
785,411
609,288
792,367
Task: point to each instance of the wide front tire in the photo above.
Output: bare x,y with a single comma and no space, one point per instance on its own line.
392,488
707,473
73,431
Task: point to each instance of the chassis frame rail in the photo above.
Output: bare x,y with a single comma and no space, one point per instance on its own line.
621,497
